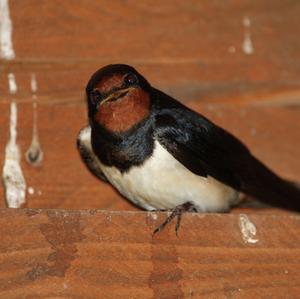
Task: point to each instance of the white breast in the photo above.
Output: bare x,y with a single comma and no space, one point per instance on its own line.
162,182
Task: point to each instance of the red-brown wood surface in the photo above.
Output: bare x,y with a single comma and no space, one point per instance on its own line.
198,51
94,254
190,48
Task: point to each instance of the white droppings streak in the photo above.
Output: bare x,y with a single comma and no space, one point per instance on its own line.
34,154
13,179
246,22
247,45
248,230
6,45
33,83
12,85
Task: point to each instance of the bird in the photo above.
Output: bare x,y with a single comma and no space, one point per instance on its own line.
163,156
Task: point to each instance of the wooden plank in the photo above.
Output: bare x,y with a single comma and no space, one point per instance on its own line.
191,49
178,31
66,83
62,181
98,254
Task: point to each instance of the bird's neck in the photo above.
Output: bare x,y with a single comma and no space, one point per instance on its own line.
123,150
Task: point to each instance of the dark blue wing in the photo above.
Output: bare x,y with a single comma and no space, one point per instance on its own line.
206,149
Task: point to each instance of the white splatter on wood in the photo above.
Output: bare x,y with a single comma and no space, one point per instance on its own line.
30,190
246,22
232,49
248,230
6,45
13,179
33,83
34,154
247,45
253,131
108,218
152,215
12,85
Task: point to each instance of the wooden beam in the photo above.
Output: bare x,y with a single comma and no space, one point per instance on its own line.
101,254
191,49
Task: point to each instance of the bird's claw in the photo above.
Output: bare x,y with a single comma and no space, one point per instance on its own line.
176,212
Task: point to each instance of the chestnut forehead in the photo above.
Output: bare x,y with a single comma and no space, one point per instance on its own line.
108,82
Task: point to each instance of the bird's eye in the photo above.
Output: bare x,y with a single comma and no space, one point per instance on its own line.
130,79
96,96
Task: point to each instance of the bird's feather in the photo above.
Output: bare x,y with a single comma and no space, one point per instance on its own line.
208,150
86,152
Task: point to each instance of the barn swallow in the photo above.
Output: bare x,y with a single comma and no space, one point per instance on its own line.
161,155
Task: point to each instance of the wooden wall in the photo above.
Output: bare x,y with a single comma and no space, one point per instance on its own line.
197,52
237,62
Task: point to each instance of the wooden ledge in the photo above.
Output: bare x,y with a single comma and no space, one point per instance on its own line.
105,254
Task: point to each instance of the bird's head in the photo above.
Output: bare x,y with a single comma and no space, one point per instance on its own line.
118,97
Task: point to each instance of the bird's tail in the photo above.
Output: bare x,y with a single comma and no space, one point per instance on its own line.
272,190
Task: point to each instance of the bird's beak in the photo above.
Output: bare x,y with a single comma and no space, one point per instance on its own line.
116,95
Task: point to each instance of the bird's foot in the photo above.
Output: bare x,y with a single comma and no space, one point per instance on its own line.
176,212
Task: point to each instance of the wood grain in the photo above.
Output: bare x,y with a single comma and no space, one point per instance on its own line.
98,254
192,49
